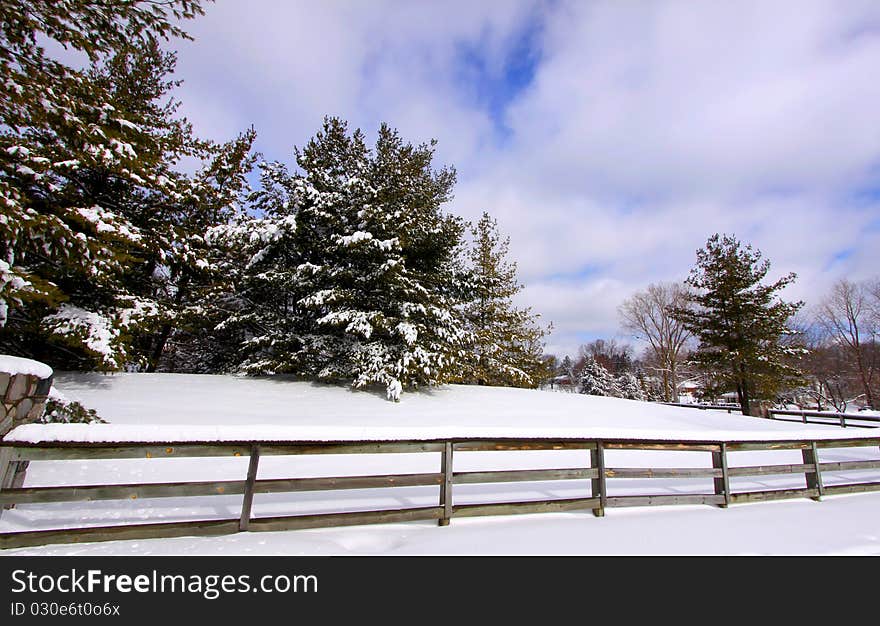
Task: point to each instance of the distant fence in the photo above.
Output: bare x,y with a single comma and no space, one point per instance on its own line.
716,407
838,419
853,420
597,500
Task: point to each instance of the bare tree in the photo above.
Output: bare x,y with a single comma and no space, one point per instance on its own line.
613,356
647,314
848,317
826,368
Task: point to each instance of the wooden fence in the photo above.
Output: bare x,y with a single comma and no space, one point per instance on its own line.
596,500
713,407
843,420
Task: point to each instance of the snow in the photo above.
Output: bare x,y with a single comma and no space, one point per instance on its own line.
107,222
188,408
143,407
18,365
96,330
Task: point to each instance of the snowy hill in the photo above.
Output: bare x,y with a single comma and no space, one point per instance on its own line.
144,407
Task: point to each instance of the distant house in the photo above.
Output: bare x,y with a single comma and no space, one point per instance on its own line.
688,390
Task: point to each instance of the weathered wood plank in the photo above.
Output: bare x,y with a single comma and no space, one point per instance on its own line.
852,488
327,520
847,443
160,530
461,478
446,470
88,452
7,474
843,466
287,485
598,487
820,485
768,470
387,447
534,444
813,473
57,452
514,508
673,446
664,500
721,482
248,499
662,472
90,493
774,494
737,446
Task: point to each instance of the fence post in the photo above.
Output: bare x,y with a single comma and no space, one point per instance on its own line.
248,500
814,478
446,487
7,470
722,484
597,461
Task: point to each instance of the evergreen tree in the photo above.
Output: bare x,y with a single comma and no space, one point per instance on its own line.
506,341
190,279
595,380
739,321
353,274
86,175
630,387
653,387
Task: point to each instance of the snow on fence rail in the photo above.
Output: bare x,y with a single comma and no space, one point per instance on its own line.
446,478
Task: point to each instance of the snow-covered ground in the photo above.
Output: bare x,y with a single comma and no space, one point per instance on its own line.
177,407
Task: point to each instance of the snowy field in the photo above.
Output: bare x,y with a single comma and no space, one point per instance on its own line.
206,408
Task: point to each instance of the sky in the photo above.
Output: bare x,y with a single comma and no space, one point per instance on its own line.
609,139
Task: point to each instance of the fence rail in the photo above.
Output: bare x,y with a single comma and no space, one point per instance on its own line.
843,420
836,419
596,500
715,407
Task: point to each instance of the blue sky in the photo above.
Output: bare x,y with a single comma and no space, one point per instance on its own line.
609,138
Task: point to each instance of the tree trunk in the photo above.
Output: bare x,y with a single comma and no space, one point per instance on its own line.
159,348
742,392
673,380
865,378
167,327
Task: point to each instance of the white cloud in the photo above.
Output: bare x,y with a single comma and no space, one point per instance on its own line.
647,127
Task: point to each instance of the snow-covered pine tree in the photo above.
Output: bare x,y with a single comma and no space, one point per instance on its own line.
629,387
352,274
596,380
80,151
739,321
192,281
653,388
507,348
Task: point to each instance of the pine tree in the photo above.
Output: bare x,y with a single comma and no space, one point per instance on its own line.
353,273
739,321
630,387
653,387
507,341
191,280
597,381
83,155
